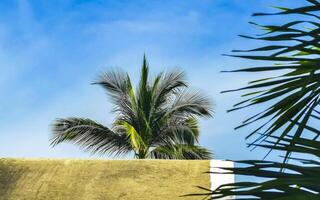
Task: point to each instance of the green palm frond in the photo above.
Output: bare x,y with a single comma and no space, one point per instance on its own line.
289,121
91,135
292,97
119,88
135,138
298,181
117,84
193,125
183,131
192,103
166,85
144,94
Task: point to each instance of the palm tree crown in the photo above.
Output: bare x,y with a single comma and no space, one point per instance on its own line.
158,120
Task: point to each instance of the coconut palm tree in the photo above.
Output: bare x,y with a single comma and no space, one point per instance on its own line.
159,120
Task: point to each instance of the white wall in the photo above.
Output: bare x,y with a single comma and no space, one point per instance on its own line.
217,179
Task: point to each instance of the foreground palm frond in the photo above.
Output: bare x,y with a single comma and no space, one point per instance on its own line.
158,120
298,181
292,96
290,118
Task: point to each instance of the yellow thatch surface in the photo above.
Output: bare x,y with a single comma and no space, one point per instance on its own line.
22,179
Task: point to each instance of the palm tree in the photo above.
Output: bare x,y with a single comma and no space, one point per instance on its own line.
157,121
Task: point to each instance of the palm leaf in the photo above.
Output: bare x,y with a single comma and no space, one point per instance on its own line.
166,85
135,139
192,103
298,181
288,126
91,135
183,131
293,95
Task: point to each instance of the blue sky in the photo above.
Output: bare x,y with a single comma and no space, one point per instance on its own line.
50,52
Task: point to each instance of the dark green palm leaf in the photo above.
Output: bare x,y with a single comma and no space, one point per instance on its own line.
169,84
192,103
289,122
293,96
90,135
297,181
